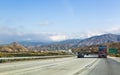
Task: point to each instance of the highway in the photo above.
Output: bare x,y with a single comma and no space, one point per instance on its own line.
63,66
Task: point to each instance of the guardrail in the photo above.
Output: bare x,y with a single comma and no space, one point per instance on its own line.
8,59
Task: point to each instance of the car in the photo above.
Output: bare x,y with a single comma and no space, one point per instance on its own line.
80,55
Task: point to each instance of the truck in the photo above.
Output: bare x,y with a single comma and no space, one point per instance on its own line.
102,52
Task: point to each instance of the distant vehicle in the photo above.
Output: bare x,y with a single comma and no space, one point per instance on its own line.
102,52
87,53
80,55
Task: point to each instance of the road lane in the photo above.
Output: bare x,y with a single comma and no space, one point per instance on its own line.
109,66
57,66
28,64
63,66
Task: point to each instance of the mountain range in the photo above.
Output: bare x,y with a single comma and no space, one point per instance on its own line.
73,43
101,39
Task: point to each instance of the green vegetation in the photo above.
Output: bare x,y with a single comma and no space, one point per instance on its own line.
17,50
31,54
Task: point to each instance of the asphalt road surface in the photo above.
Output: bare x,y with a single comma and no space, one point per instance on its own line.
63,66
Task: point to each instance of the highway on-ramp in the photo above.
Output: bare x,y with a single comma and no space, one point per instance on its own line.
63,66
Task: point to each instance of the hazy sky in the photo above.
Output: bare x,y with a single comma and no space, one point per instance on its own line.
42,20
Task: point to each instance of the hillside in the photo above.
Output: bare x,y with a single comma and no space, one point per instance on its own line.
95,40
73,43
90,44
61,45
13,47
33,43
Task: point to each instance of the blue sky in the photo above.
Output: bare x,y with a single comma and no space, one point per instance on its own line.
57,20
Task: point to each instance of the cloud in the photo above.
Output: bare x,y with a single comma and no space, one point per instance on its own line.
113,29
9,34
44,23
58,37
5,29
84,35
6,38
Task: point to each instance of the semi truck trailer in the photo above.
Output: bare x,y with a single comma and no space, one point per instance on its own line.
102,52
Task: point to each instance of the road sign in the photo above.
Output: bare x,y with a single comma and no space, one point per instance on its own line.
113,50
